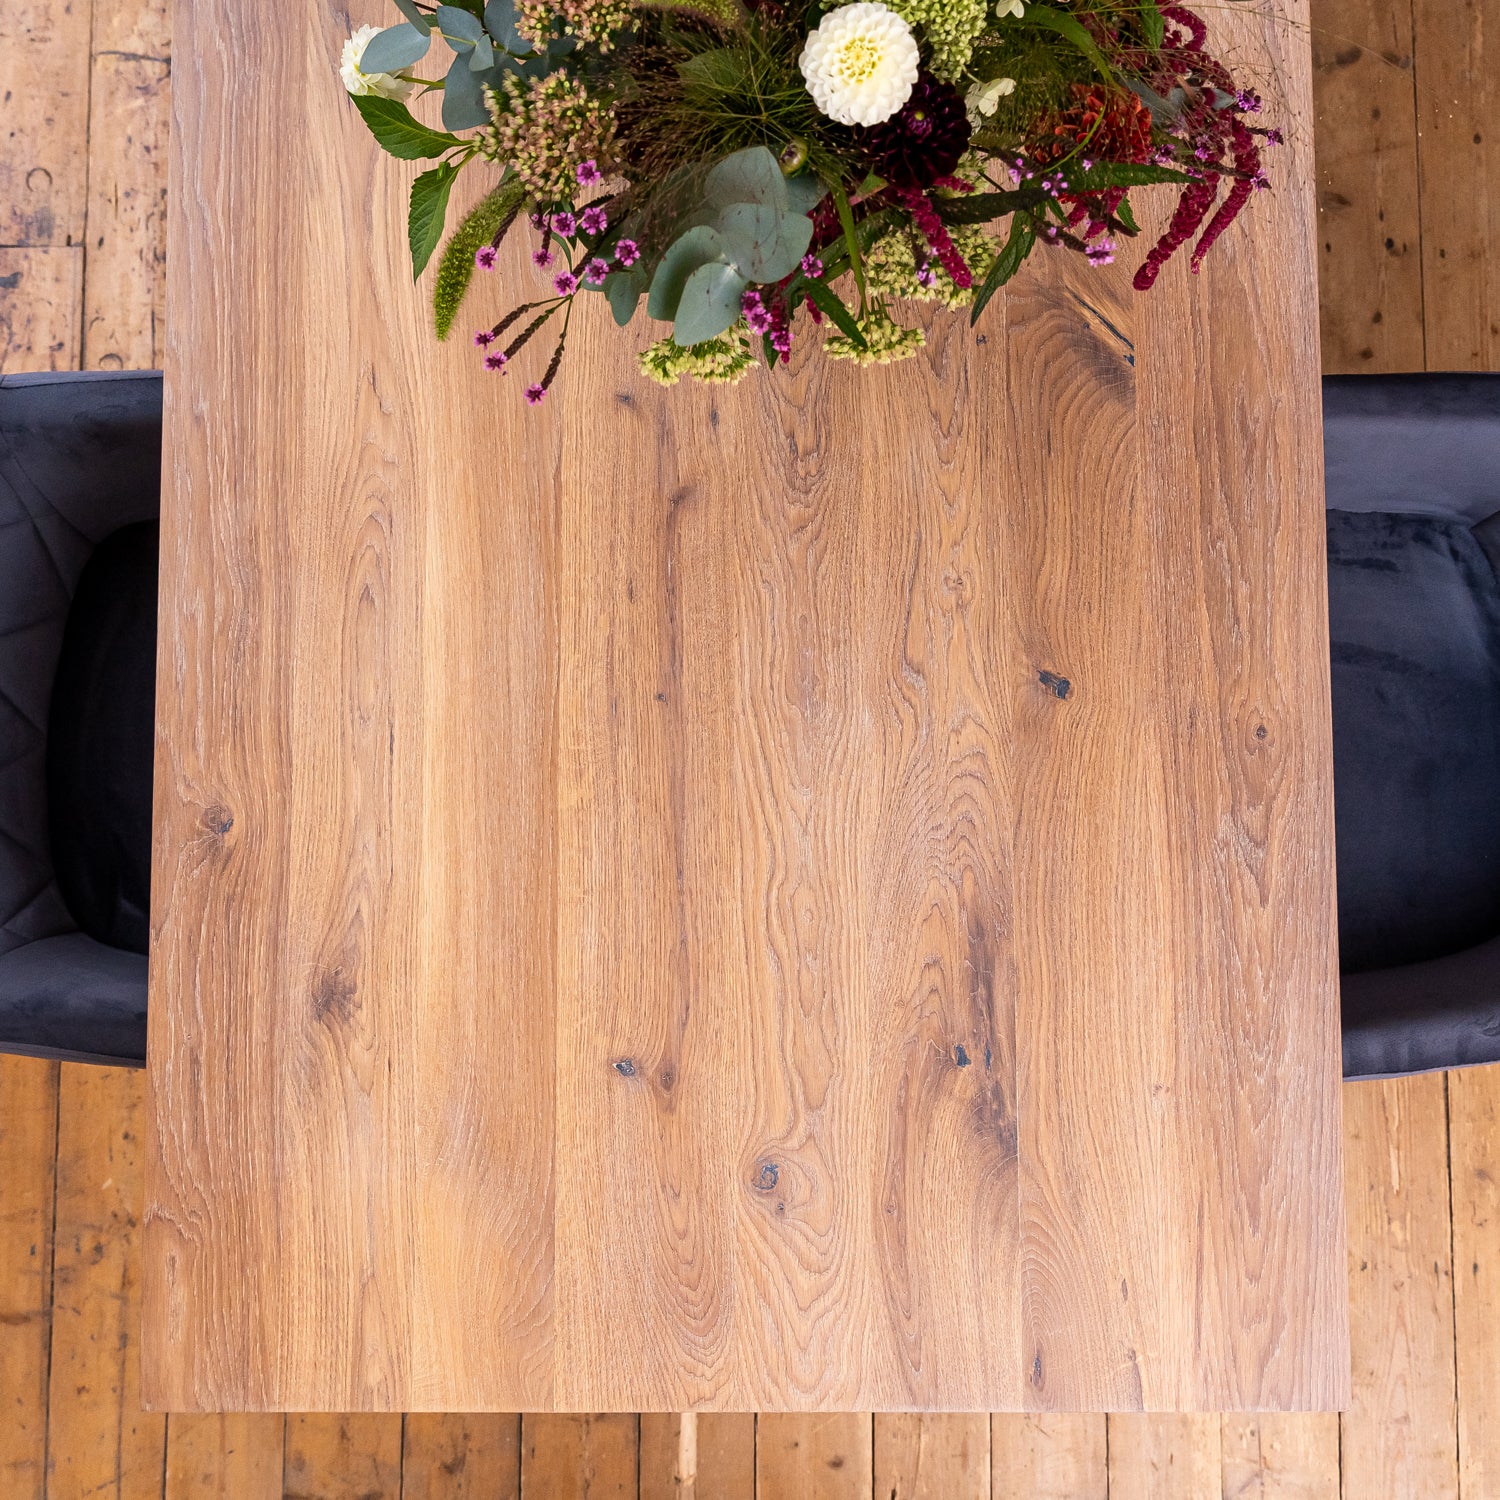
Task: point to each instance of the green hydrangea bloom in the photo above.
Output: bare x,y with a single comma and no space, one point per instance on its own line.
950,29
891,266
725,360
888,341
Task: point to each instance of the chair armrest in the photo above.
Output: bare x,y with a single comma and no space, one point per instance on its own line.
72,998
1444,1013
1416,444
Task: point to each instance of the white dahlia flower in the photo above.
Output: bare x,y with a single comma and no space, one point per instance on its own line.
386,85
860,64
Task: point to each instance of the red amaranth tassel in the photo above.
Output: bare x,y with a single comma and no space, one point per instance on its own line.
1197,198
1197,31
936,234
1247,161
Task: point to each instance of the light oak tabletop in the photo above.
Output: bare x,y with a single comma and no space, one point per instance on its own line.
817,895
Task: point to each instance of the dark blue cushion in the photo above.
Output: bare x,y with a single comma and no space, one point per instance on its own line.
1414,616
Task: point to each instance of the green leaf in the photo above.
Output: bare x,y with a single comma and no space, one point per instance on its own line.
392,124
456,268
463,96
1070,30
1153,24
459,29
828,302
851,240
805,192
980,208
710,304
482,55
412,14
500,22
749,176
623,289
395,48
764,245
424,218
1007,263
1126,215
1112,174
697,247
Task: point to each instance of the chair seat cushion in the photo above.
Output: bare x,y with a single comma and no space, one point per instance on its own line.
1414,612
100,740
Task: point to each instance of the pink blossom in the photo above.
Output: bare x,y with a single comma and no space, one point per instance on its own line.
483,337
588,173
484,258
596,270
812,267
496,361
626,252
594,220
541,258
564,223
534,394
566,283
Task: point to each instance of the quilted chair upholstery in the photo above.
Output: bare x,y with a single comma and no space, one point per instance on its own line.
80,458
1413,495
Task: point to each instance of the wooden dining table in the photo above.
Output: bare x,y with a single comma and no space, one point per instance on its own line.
814,895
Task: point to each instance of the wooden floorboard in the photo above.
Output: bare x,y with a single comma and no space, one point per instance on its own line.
80,282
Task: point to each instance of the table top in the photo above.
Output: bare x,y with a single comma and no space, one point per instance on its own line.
817,895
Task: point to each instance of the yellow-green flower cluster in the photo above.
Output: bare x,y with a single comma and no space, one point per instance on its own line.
546,129
588,20
886,339
950,29
892,266
725,360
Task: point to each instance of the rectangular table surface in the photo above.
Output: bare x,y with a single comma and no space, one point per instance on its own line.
814,895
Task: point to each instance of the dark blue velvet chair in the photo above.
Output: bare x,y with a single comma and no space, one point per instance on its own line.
1413,486
80,485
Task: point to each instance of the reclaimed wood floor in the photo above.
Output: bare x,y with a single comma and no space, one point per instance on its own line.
1410,189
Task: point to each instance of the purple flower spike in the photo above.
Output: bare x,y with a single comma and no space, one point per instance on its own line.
812,267
596,270
566,283
588,173
627,252
564,223
534,394
594,220
485,258
483,337
496,361
541,258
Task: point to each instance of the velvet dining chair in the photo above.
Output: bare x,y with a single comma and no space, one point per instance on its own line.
80,485
1413,518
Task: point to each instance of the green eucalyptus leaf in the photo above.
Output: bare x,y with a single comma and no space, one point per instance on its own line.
623,289
463,96
749,176
482,55
1007,263
698,247
764,245
412,14
392,124
500,22
428,210
710,304
804,192
459,29
395,48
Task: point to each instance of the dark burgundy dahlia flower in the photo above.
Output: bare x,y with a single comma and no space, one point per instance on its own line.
924,140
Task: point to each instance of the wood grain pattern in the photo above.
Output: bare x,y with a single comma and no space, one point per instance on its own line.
1049,1456
1165,1457
1281,1457
1458,92
651,811
723,1451
236,1456
353,1453
1474,1151
1399,1433
98,1439
41,294
126,226
827,1457
451,1456
28,1152
937,1457
1369,226
594,1456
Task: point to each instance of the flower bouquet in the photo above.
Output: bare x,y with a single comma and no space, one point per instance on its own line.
750,167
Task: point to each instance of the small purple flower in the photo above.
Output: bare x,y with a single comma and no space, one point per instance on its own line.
781,340
594,220
1102,252
538,220
812,267
564,223
484,258
596,270
566,283
541,258
926,276
534,394
1260,181
588,173
483,337
626,252
496,361
1274,137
